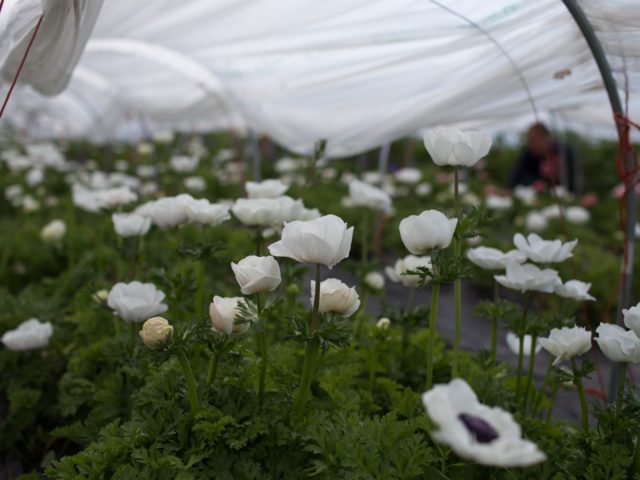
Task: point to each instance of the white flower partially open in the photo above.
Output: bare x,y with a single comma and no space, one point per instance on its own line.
493,259
618,344
565,343
271,188
543,251
364,195
431,229
513,342
336,297
130,224
224,314
257,274
486,435
528,277
631,317
136,301
325,240
450,146
573,289
403,265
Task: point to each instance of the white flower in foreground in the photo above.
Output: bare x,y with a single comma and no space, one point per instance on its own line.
573,289
528,277
631,318
535,222
205,213
53,231
494,259
271,188
543,251
136,301
477,432
410,263
325,240
130,224
29,335
364,195
566,342
577,215
257,274
618,344
408,175
431,229
513,342
450,146
374,280
498,202
155,331
336,297
224,313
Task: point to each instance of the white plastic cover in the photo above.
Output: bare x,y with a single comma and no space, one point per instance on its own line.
357,73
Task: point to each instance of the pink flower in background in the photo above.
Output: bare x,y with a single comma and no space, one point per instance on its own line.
589,200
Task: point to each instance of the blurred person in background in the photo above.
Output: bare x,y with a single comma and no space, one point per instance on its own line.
543,161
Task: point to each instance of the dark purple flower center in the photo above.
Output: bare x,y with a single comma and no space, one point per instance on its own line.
479,428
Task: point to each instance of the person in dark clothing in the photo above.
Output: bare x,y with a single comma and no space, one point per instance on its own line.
543,160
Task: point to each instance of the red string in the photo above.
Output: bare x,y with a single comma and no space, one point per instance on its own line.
24,58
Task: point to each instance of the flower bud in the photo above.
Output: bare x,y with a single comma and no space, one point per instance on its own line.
431,229
53,231
383,323
155,332
374,280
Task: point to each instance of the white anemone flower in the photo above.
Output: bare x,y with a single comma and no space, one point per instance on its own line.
528,277
543,251
565,343
477,432
493,259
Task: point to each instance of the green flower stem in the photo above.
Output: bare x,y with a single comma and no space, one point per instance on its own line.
311,352
457,285
200,289
411,300
262,348
577,380
620,396
521,331
134,335
554,395
494,324
213,369
494,339
372,367
540,396
433,318
357,331
532,365
192,390
258,241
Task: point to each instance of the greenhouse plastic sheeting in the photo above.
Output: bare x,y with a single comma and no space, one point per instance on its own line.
357,73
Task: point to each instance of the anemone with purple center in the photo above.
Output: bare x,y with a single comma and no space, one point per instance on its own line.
477,432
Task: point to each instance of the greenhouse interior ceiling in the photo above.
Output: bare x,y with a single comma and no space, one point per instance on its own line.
330,239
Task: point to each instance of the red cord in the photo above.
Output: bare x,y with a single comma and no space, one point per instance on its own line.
24,58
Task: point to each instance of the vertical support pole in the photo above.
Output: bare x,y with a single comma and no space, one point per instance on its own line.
616,105
256,157
383,159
